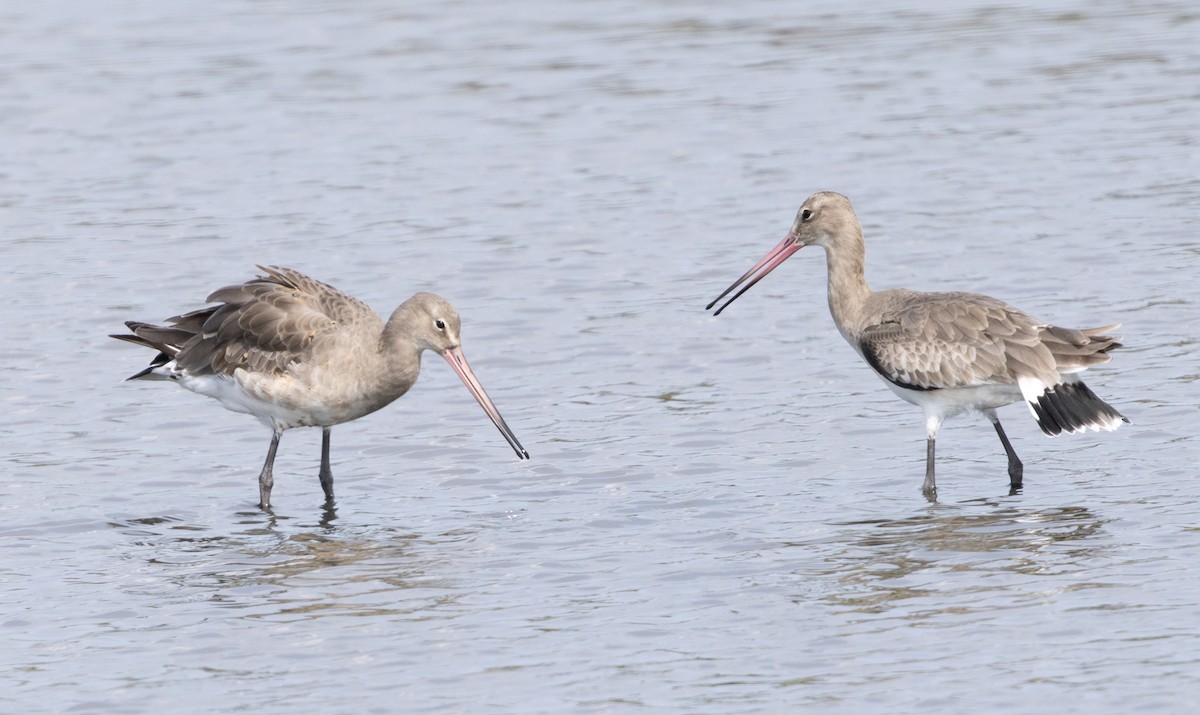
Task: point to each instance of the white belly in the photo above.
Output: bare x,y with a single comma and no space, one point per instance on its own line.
234,395
950,401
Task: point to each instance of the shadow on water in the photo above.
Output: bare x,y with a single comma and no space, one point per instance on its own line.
929,561
282,569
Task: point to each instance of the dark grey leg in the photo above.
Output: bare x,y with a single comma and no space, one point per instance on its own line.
326,474
266,479
929,488
1016,470
933,423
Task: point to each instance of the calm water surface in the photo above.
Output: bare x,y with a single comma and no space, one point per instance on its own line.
722,515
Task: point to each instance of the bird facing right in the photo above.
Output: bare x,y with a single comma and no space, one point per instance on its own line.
296,352
947,353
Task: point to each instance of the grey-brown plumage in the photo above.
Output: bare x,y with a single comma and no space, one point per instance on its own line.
948,352
930,341
296,352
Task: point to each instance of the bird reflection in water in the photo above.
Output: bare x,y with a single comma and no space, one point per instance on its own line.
278,569
887,562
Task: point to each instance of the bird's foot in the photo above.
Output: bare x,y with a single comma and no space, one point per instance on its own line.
327,486
1016,477
929,487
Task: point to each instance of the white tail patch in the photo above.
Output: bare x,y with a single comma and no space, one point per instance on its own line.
1031,389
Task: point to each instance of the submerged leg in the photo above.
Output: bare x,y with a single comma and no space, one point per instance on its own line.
326,474
265,478
932,424
929,488
1016,470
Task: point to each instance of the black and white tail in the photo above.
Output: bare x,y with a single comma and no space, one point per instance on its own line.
1069,405
1072,407
167,340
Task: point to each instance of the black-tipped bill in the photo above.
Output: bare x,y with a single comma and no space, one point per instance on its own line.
458,361
774,257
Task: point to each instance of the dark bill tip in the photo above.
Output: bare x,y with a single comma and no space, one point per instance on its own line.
774,257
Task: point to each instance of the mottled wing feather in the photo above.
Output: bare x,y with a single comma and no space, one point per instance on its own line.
339,307
265,324
939,340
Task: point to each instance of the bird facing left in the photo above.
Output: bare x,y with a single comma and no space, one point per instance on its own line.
296,352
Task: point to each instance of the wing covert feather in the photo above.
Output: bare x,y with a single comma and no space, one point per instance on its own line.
266,324
928,341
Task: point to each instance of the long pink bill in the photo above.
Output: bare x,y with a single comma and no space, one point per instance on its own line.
774,257
458,361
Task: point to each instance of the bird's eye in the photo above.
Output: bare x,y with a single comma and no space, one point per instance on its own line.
806,214
440,325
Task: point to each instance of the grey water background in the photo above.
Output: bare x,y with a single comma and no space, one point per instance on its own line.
722,515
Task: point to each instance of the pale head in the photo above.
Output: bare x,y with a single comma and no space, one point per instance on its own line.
433,324
824,219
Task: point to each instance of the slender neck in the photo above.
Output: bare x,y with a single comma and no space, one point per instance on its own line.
848,289
399,353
